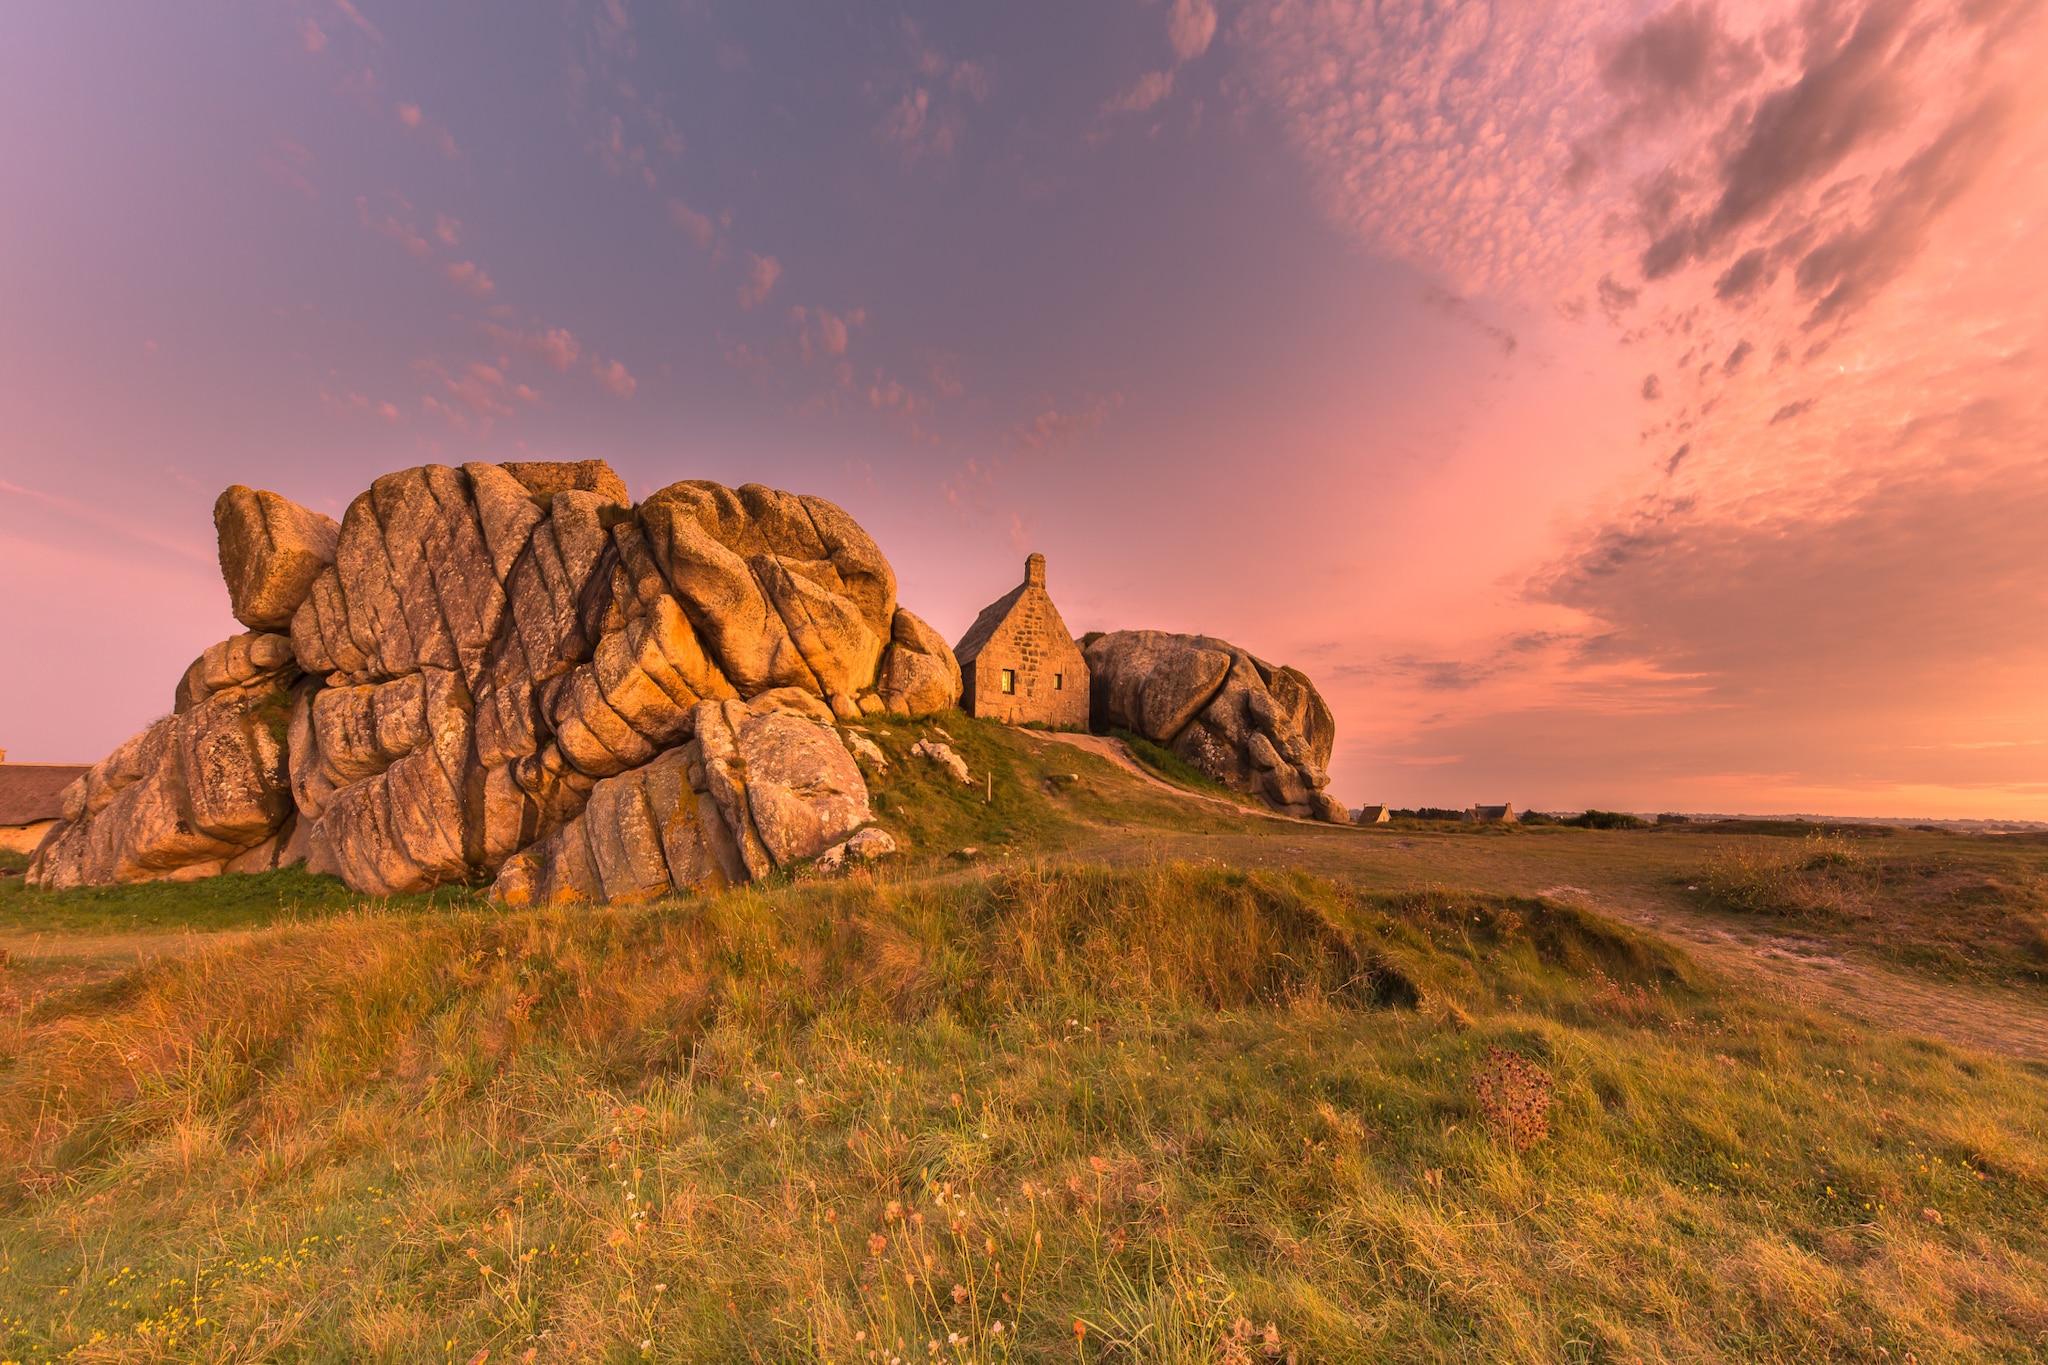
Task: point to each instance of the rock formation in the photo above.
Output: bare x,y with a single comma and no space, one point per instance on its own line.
1255,728
506,670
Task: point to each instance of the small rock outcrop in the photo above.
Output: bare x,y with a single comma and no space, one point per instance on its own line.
510,671
1256,728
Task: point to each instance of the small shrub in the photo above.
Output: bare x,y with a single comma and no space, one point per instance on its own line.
1245,1344
1514,1095
1629,1002
1606,819
1825,850
1753,879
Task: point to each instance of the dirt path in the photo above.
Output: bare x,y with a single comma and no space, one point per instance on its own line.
1805,972
1103,746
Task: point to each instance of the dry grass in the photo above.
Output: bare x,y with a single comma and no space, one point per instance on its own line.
954,1119
1976,908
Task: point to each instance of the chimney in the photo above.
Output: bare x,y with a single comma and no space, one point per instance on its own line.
1034,571
3,755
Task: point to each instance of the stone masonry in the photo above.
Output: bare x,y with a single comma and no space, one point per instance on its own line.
1018,663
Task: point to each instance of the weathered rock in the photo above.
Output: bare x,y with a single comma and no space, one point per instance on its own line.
235,662
864,847
943,755
919,673
871,844
499,663
271,550
865,750
181,800
757,789
1257,729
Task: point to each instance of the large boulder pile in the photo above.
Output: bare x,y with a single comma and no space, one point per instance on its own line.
1256,728
510,671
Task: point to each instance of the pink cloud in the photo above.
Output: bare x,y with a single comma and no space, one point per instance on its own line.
355,16
762,273
311,36
556,347
824,333
469,277
396,224
1148,90
614,377
448,229
290,165
695,225
409,115
1190,24
1054,426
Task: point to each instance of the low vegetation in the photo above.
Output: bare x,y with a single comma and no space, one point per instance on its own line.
1054,1113
1169,765
1959,908
1139,1080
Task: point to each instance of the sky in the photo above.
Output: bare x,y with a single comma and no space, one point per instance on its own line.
1606,403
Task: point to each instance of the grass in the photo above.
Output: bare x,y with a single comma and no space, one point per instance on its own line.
240,901
1958,908
1048,797
1171,1104
1173,768
1202,1084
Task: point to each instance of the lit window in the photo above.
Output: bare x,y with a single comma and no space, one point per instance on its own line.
1009,680
1059,681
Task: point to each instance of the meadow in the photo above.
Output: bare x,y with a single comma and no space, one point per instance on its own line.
1137,1079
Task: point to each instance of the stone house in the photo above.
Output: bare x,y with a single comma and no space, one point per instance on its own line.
1492,815
1372,815
31,800
1018,663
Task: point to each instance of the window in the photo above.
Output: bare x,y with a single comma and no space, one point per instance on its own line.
1009,681
1059,681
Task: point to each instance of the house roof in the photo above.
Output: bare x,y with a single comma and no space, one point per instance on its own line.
34,791
992,616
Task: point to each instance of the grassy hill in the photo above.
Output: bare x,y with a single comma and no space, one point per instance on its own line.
1139,1080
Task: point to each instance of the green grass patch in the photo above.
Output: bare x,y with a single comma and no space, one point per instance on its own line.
1173,768
234,901
1047,797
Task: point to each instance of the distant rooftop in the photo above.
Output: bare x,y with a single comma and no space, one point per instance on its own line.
32,791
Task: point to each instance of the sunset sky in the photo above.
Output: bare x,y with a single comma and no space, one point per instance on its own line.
1606,403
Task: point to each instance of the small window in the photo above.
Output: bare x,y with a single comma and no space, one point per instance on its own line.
1059,681
1009,681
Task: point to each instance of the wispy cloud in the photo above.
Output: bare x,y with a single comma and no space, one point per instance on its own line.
762,273
1147,91
614,378
556,347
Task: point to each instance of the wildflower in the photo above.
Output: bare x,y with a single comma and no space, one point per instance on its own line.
1080,1330
959,1293
955,1098
997,1329
988,1246
831,1215
877,1244
893,1210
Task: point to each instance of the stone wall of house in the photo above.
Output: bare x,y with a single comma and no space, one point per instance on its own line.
1049,673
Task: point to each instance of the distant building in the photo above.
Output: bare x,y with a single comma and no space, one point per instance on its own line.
1017,662
31,800
1373,815
1491,815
